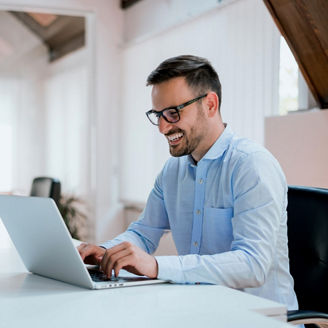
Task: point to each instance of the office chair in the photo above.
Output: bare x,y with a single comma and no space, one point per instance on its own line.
46,187
308,253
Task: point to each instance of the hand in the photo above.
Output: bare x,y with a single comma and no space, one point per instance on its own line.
130,258
91,254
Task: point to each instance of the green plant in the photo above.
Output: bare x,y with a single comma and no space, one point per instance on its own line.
73,211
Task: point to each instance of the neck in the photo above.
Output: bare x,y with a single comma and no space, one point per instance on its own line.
211,139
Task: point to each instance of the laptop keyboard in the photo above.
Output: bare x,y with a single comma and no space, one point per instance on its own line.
98,276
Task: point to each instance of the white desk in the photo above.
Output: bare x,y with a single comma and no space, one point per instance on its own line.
28,300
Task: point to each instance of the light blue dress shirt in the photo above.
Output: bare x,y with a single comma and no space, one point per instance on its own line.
227,215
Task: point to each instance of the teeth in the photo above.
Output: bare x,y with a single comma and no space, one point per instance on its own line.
175,136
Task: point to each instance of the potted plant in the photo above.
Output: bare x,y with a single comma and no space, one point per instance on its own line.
73,211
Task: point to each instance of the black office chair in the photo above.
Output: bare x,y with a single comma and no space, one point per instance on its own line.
46,187
308,253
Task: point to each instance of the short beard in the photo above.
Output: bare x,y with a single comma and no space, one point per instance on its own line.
190,145
193,141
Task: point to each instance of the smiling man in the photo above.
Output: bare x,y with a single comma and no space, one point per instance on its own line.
223,197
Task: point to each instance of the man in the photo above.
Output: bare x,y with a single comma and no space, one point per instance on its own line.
224,198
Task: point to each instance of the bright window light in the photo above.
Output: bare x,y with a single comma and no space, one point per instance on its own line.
288,80
6,155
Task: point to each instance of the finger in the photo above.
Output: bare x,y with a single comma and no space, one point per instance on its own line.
117,257
81,246
121,263
108,264
118,248
99,258
91,254
83,249
111,251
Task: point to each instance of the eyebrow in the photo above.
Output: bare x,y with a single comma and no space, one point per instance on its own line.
172,106
161,110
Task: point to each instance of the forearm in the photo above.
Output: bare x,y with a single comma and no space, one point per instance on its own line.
234,269
150,226
144,236
129,236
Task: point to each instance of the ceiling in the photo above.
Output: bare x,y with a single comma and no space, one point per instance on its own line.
304,25
61,34
128,3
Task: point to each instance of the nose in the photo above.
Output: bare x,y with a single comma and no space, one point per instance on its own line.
163,126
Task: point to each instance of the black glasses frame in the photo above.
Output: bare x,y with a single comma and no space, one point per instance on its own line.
178,108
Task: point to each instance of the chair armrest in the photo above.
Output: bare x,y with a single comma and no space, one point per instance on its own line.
308,317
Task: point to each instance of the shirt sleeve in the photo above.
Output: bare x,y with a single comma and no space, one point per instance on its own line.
259,204
151,224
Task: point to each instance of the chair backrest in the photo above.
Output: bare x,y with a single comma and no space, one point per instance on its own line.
46,187
308,245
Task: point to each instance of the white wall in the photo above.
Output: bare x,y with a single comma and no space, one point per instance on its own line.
23,59
104,40
241,41
45,105
299,142
149,17
126,151
67,151
21,70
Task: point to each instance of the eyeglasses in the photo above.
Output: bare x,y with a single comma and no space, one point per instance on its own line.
170,114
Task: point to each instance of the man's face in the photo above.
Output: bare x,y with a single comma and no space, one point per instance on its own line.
186,136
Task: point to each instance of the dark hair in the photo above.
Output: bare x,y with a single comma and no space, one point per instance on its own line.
198,72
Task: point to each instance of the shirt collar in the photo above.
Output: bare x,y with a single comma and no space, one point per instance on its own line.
219,146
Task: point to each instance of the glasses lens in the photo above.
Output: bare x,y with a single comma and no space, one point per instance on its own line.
153,117
172,115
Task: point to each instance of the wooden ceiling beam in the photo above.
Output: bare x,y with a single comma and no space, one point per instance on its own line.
304,25
128,3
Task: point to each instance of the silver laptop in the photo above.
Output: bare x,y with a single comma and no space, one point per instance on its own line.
46,247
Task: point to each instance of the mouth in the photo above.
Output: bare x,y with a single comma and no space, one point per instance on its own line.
174,138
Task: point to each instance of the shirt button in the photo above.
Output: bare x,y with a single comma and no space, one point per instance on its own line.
195,243
200,180
198,212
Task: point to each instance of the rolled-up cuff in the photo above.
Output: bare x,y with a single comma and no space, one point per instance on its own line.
108,244
169,268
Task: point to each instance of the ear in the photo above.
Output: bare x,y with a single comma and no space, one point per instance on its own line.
212,103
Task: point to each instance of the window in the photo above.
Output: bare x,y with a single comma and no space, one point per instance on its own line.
6,154
7,106
6,157
288,80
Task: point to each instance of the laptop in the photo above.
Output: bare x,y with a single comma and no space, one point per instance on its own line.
46,247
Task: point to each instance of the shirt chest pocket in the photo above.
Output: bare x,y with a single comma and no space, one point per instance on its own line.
217,229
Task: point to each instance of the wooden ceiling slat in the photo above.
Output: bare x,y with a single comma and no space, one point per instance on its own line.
63,35
128,3
43,19
304,26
